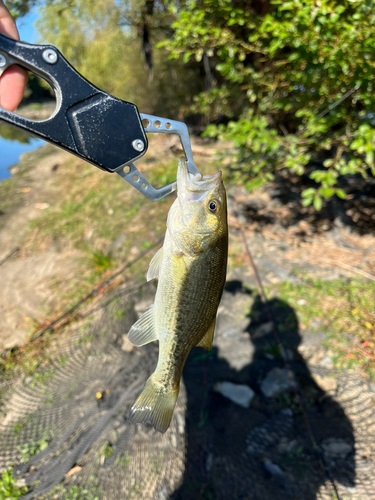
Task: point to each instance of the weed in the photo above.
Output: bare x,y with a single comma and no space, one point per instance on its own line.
18,427
78,493
272,349
107,450
157,464
63,359
118,314
8,486
102,261
85,339
42,377
33,447
136,491
123,460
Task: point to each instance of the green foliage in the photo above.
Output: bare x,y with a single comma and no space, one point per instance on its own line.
77,493
19,8
33,447
14,134
103,41
42,377
102,261
123,460
8,488
278,65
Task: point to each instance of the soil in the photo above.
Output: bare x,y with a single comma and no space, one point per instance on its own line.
215,449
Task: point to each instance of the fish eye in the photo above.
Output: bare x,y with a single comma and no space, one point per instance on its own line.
213,206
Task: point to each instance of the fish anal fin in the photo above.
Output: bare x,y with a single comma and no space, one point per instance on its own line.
206,342
154,267
155,405
143,331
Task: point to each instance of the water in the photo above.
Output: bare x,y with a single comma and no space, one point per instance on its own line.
13,143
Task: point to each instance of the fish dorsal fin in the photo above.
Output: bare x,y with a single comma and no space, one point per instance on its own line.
143,330
206,342
154,267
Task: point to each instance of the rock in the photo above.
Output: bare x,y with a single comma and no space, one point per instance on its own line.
232,332
273,469
326,362
239,394
275,382
316,323
336,448
126,345
267,436
325,383
292,445
283,445
263,330
142,305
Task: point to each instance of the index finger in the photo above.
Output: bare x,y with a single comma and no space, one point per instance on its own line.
13,81
7,24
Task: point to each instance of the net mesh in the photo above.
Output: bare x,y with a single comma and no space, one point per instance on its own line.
66,431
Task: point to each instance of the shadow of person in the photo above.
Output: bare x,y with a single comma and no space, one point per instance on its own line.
263,451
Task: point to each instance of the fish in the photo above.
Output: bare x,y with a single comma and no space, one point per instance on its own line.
191,269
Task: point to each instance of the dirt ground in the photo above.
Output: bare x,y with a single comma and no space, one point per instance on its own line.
216,448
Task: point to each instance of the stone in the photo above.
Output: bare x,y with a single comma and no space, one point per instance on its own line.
276,381
325,383
263,330
239,394
326,362
272,468
336,448
126,345
141,306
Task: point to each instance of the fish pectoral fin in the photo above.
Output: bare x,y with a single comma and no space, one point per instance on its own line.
154,267
143,331
206,342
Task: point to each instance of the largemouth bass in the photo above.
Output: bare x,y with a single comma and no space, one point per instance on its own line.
191,267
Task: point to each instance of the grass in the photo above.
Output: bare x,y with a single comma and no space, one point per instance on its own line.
344,309
26,360
86,218
7,187
77,492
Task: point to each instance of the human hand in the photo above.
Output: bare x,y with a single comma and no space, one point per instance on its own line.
13,80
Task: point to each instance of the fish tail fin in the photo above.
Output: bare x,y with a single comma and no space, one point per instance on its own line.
155,405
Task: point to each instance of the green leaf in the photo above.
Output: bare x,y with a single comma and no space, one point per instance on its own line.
308,193
306,202
341,194
318,203
327,192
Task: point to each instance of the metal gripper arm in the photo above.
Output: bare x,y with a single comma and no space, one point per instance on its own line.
88,122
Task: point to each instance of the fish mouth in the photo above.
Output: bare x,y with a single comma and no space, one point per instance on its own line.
196,184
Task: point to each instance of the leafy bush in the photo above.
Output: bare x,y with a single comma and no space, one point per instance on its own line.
277,67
